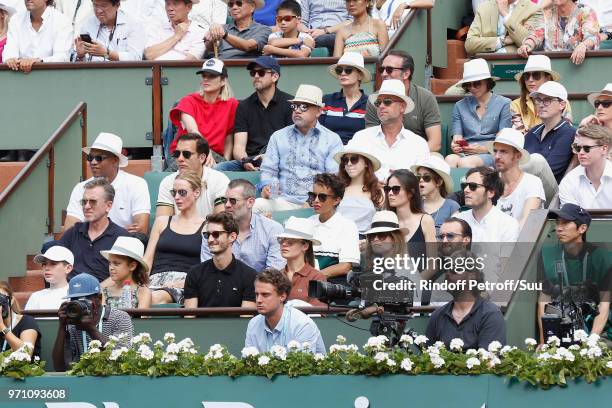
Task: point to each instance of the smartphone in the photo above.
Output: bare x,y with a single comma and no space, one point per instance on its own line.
86,38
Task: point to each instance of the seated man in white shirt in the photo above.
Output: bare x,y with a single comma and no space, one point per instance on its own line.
38,34
397,147
590,184
110,34
176,38
132,205
523,192
56,264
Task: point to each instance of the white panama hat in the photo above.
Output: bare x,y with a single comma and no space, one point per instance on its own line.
383,221
606,91
352,59
299,228
511,137
130,247
539,63
393,87
360,149
310,94
110,143
438,165
475,70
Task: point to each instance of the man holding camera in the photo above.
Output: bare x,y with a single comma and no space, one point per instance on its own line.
83,319
584,269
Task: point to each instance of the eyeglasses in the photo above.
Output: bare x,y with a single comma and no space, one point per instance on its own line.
471,186
544,101
605,104
101,6
426,178
284,18
576,148
386,102
186,154
239,3
395,189
182,192
259,72
231,200
450,236
388,70
346,70
322,197
536,76
97,157
346,159
474,84
381,236
92,203
302,107
214,234
288,241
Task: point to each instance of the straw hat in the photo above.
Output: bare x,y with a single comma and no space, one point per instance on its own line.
606,91
110,143
360,149
511,137
128,246
299,228
538,63
351,59
475,70
310,94
393,87
383,221
438,165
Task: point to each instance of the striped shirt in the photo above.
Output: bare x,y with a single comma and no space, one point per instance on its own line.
323,13
337,117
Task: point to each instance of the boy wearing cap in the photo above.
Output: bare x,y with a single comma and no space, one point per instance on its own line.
586,270
56,264
289,41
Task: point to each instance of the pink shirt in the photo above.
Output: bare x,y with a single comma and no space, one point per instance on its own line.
2,43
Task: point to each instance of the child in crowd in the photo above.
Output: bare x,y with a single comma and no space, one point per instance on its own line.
126,264
56,265
288,41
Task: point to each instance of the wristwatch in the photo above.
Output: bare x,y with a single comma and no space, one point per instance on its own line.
5,331
225,35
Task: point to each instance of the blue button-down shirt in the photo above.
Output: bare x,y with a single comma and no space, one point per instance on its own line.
293,159
556,147
293,325
466,122
260,249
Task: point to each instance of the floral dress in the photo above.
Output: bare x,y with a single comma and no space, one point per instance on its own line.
565,33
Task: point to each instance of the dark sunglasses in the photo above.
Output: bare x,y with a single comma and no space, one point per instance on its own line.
381,236
92,203
239,3
426,178
395,189
181,191
471,186
576,148
346,70
214,234
302,107
346,159
259,72
388,70
284,18
97,157
536,76
605,104
474,84
186,154
322,197
450,236
385,101
231,200
289,241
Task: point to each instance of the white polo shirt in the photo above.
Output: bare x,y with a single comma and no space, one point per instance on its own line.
214,185
576,188
192,42
529,187
494,227
406,151
131,198
339,238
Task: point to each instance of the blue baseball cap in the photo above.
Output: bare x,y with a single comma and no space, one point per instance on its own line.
83,284
573,212
266,62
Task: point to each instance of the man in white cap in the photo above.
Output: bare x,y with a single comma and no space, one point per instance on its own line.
296,153
132,206
56,264
396,146
523,192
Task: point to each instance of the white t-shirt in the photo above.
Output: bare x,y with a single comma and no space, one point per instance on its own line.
339,238
529,187
47,299
494,227
192,42
216,185
576,188
131,198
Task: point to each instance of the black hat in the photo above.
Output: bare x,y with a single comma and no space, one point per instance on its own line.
573,212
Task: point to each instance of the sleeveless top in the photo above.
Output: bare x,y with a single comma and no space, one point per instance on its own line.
418,235
364,43
359,209
177,252
113,301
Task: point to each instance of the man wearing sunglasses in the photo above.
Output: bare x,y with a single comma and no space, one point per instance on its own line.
131,206
243,37
258,116
296,153
590,184
223,280
424,119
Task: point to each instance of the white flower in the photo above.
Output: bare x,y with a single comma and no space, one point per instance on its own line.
95,344
173,348
494,361
609,365
484,354
184,345
420,339
380,357
437,361
529,342
306,345
352,347
169,337
594,352
293,345
319,357
592,340
249,352
471,352
145,352
94,350
158,343
544,356
36,359
115,354
279,352
18,356
583,352
406,364
263,360
456,344
406,340
340,339
391,363
574,347
336,348
376,343
554,341
580,335
494,346
433,350
168,358
141,338
216,348
506,349
439,345
471,362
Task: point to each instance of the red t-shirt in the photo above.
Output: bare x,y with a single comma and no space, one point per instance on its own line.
215,120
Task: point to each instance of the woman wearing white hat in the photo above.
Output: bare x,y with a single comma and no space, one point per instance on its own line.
435,183
478,117
344,111
602,102
126,266
363,195
6,11
296,242
537,71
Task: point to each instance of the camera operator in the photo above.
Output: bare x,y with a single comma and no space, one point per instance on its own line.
83,319
586,271
468,316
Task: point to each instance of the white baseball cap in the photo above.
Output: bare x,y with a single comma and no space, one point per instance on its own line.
213,66
552,89
56,254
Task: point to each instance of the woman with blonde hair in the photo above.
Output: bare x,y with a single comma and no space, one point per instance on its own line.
16,329
175,241
209,112
6,11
